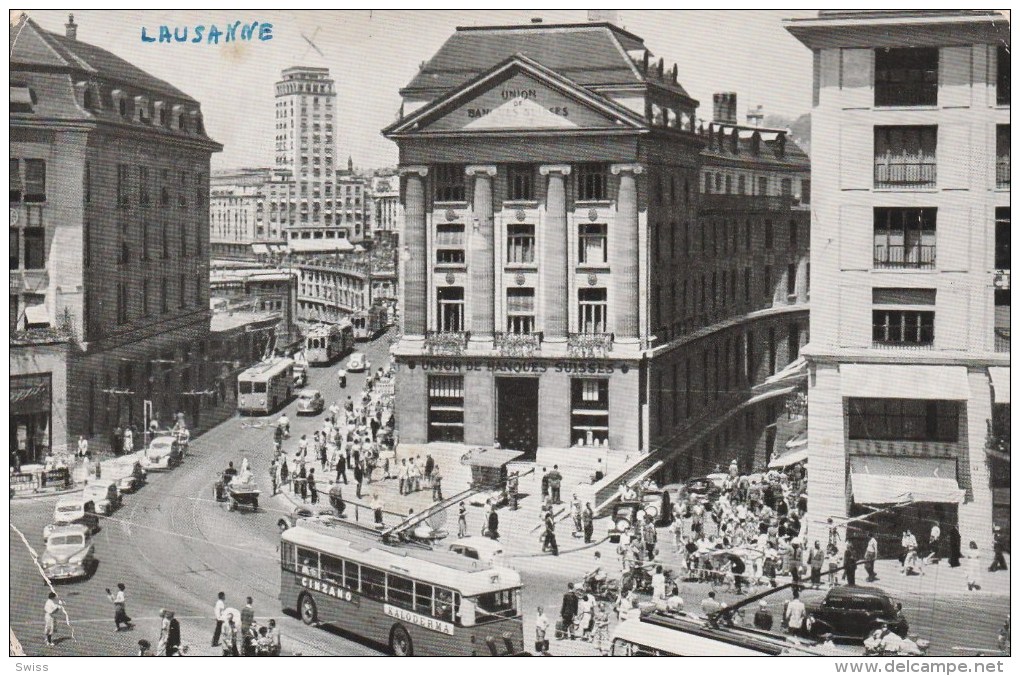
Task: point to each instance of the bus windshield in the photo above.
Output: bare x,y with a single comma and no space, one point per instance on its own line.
496,605
260,387
244,386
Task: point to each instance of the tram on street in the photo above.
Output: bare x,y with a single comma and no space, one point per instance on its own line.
369,323
265,387
414,599
327,343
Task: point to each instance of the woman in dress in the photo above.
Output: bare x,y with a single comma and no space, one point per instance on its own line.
973,566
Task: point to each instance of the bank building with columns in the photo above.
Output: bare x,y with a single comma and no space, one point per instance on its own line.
549,182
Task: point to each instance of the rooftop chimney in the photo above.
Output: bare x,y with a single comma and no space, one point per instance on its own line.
724,107
603,16
71,28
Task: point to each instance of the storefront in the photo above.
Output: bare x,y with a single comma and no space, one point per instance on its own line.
31,417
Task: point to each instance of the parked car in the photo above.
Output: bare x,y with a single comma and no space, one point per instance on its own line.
358,362
105,494
300,513
73,509
703,488
310,402
129,477
70,553
163,453
625,515
852,612
478,548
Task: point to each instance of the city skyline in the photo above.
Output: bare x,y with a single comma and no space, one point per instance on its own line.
370,59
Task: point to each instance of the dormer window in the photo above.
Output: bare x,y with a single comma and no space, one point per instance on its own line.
22,98
141,109
160,115
178,118
195,123
120,102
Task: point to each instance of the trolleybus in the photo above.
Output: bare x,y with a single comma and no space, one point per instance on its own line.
266,386
415,600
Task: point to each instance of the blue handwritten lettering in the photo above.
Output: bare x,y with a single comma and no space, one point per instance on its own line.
266,32
214,35
146,37
232,31
164,34
236,31
198,34
181,37
248,31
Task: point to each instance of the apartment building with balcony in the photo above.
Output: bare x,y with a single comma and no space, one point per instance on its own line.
109,238
909,351
238,216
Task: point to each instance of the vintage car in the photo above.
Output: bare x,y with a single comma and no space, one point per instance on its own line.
301,513
70,553
130,476
852,612
358,362
310,402
478,548
163,453
73,509
625,515
105,494
702,488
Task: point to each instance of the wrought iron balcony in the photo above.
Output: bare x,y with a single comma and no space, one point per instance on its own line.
589,345
904,256
517,344
1002,172
446,343
912,174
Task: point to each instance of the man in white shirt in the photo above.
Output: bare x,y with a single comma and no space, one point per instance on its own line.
218,612
541,628
50,609
83,447
795,613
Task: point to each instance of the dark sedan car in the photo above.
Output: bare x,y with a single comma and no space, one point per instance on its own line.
852,612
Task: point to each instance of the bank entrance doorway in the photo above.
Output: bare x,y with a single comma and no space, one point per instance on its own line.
517,414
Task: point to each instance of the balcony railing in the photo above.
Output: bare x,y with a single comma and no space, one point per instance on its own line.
1002,339
898,345
913,174
1001,172
903,256
517,344
906,93
446,343
589,345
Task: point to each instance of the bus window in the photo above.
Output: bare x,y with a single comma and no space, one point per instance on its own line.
620,648
423,598
245,386
373,583
400,591
445,600
495,606
287,556
260,387
351,576
309,561
332,569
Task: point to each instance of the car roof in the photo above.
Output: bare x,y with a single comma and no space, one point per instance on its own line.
478,542
70,529
165,439
847,591
73,500
309,392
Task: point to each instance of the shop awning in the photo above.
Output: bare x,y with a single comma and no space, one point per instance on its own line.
897,381
35,315
791,457
320,245
888,480
260,249
1000,383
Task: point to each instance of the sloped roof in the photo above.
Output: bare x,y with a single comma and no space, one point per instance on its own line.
31,45
768,150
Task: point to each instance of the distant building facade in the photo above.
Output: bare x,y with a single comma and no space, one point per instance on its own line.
238,212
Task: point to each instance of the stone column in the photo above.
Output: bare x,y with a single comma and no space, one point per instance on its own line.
623,254
554,271
415,277
481,266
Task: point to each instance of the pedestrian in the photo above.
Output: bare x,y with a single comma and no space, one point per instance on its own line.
493,524
117,440
462,529
658,584
173,641
763,618
276,638
998,549
274,472
954,546
850,563
323,455
575,513
437,483
129,443
50,609
228,641
588,522
585,614
301,482
549,535
247,620
218,613
711,605
541,630
144,648
83,447
341,468
568,611
555,480
973,567
336,498
512,486
600,628
359,475
933,543
313,490
377,507
278,437
284,471
795,613
164,633
302,449
402,476
545,485
119,601
430,465
870,556
816,560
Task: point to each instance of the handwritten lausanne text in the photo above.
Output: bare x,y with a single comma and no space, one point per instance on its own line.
238,31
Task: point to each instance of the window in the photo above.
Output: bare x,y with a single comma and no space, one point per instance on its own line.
747,285
122,185
904,237
199,189
181,297
766,274
423,598
182,195
35,181
520,243
729,184
450,244
791,279
907,76
793,235
449,185
903,316
520,310
786,187
1001,157
164,296
15,179
905,156
687,239
122,303
589,411
450,313
592,182
718,183
332,569
35,248
1002,77
165,235
200,285
400,591
747,235
768,233
772,351
592,310
903,420
446,408
741,185
805,191
763,185
1002,223
592,244
792,343
143,186
15,248
521,179
352,576
495,606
